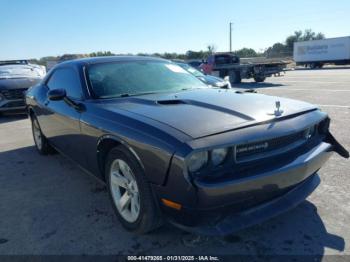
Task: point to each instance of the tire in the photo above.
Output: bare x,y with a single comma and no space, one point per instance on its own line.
313,65
41,142
259,79
235,77
134,187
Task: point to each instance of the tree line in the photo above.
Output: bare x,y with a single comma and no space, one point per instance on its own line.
277,50
286,49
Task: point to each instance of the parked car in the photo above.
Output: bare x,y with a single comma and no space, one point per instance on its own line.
207,79
195,63
15,78
209,160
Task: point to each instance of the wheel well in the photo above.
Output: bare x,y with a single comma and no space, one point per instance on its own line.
103,149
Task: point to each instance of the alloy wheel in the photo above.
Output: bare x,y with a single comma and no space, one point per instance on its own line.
37,134
124,189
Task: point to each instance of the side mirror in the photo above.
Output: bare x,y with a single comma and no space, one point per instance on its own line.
56,94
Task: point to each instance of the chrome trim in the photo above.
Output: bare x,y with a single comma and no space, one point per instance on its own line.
86,82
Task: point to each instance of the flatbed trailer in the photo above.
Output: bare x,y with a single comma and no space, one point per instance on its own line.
229,65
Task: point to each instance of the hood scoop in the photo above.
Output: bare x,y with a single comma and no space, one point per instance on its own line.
203,105
171,102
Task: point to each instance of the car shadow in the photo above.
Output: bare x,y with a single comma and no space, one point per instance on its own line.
53,185
298,233
254,85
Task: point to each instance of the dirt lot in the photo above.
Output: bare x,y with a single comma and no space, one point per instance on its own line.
49,206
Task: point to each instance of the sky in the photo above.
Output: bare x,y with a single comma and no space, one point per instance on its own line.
37,28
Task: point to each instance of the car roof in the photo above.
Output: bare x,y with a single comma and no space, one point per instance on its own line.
108,59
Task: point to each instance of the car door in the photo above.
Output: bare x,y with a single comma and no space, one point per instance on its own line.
62,120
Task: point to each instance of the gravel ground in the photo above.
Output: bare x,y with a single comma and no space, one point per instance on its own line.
49,206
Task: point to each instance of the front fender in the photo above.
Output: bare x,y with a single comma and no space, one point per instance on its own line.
120,141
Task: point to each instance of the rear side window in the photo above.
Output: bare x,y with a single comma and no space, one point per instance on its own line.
68,79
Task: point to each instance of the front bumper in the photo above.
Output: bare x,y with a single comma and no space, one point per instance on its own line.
223,208
11,104
239,192
258,214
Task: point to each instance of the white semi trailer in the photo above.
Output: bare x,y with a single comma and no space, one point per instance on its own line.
316,53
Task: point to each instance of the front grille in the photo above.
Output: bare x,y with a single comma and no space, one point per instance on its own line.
264,148
13,94
14,104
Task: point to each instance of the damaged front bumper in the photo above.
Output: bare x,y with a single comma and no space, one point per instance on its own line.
294,182
337,147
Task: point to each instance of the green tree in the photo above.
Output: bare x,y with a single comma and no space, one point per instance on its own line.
196,54
286,49
211,49
277,50
101,53
246,52
296,37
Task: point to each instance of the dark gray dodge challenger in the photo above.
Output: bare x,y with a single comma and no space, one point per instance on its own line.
209,160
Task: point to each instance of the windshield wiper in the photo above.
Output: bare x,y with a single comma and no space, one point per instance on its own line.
246,91
136,94
192,88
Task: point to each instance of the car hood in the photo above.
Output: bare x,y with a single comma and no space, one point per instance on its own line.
199,113
18,83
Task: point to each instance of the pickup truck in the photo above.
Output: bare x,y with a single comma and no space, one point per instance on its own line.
229,65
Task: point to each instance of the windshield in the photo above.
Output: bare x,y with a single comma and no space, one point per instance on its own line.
191,70
18,71
139,77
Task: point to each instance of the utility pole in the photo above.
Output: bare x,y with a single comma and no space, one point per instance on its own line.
231,36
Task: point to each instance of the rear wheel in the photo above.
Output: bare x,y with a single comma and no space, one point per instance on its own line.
41,143
259,79
130,193
235,77
316,65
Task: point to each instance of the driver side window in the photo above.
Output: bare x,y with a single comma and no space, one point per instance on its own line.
68,79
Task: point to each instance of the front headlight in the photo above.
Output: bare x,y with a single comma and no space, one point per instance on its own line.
197,160
323,126
310,132
218,156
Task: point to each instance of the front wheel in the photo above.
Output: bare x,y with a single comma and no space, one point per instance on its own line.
235,77
259,79
41,143
130,193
